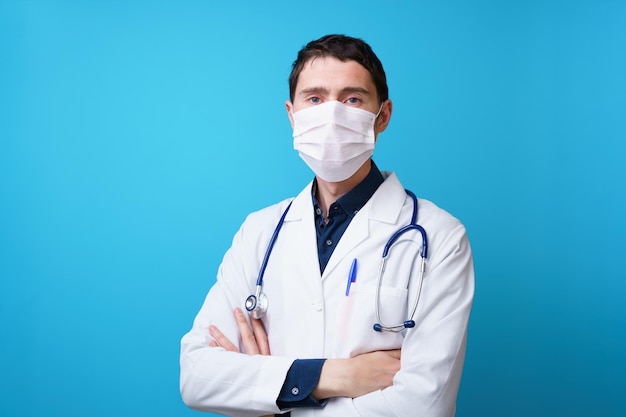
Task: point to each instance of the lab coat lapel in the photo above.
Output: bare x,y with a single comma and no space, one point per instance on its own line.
384,206
300,221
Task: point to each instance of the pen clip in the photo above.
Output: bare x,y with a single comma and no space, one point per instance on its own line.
351,276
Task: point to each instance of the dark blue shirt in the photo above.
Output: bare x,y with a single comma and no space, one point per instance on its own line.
341,213
304,374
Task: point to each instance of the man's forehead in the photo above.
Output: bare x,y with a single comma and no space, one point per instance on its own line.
326,72
323,61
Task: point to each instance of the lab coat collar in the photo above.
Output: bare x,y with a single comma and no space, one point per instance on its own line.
387,202
384,206
301,205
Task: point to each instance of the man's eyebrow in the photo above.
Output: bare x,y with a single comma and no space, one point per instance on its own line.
313,90
360,90
345,90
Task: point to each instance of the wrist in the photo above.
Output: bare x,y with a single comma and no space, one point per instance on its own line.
333,380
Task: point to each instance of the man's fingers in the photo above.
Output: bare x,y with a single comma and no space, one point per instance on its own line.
254,339
397,353
261,337
247,336
220,340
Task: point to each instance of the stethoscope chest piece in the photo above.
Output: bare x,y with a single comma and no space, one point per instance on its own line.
256,304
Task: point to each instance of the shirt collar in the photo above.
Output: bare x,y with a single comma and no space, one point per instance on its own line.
355,199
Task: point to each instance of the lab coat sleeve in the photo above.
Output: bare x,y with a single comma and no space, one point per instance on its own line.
212,379
433,352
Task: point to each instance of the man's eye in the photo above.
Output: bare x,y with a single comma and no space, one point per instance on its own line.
315,100
353,100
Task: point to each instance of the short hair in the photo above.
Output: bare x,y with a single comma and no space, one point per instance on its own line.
343,48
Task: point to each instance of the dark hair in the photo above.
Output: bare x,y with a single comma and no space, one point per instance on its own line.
344,48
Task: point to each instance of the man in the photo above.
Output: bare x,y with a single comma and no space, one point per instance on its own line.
315,351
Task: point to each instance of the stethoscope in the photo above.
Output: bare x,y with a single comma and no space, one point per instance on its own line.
257,303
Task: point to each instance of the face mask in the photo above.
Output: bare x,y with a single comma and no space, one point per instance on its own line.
333,139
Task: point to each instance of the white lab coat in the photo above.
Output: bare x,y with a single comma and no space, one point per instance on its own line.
309,315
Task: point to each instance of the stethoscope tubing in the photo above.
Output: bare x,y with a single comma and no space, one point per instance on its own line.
396,328
257,304
410,322
268,252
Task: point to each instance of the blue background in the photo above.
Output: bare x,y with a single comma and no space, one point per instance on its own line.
135,137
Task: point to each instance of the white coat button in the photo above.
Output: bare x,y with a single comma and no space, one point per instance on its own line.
317,305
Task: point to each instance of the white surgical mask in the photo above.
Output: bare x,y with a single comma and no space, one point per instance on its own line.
333,139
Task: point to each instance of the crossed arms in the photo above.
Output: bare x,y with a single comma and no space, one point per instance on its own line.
345,377
228,369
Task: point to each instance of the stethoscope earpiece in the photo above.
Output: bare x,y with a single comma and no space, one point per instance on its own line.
408,324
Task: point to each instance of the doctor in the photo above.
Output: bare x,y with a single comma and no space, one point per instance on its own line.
314,351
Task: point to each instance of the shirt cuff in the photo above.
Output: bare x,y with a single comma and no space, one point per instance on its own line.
301,380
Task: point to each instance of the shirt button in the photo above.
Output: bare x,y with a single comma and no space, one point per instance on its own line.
318,211
295,391
329,242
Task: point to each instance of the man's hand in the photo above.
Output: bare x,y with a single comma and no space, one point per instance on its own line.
254,339
358,376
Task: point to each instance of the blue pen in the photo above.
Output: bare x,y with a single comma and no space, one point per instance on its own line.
351,276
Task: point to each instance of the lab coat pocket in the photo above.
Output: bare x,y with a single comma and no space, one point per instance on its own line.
358,314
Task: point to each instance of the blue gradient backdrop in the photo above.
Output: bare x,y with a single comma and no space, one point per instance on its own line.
135,136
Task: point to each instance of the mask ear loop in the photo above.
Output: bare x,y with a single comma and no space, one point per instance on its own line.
380,109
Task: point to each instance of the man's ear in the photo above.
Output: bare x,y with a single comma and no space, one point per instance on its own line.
384,117
289,107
